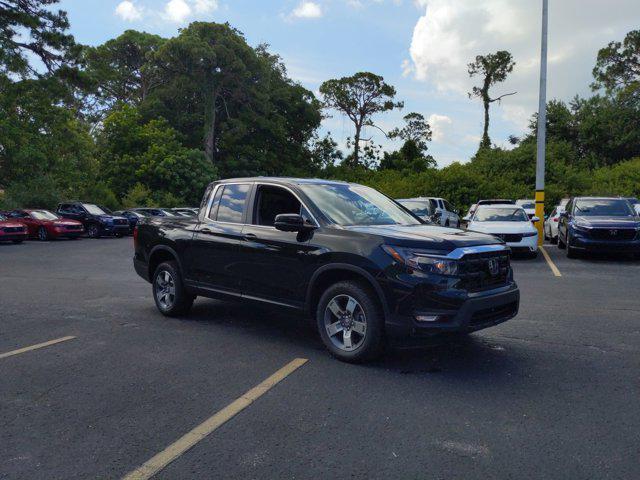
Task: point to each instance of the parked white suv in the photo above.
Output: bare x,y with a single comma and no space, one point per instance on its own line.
445,214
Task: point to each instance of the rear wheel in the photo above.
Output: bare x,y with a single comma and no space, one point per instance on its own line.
168,291
350,322
42,234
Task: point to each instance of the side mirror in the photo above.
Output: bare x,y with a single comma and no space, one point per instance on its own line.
535,219
289,222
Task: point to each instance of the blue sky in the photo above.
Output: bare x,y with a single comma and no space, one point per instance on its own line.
419,46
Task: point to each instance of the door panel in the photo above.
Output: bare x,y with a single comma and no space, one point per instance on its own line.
273,264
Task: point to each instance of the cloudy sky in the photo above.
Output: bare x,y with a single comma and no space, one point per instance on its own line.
422,47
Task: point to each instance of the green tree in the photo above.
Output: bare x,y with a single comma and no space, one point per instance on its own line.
492,68
413,154
618,65
151,154
122,70
359,97
30,28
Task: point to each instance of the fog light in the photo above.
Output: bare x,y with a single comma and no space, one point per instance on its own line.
427,318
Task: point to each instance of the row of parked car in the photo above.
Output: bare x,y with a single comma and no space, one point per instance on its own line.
603,224
75,219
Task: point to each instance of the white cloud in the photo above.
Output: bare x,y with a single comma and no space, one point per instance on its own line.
307,9
205,6
177,11
450,33
439,126
128,11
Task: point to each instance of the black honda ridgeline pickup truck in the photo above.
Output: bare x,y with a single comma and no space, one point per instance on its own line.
363,266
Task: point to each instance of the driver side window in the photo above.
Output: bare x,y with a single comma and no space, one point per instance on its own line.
272,201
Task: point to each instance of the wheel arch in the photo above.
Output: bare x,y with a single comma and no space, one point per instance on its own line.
159,254
335,272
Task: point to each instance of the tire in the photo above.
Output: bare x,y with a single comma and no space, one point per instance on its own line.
571,253
561,244
119,235
365,322
446,224
43,235
93,231
169,293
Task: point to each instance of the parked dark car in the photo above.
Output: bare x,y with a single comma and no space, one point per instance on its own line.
598,224
95,220
364,267
132,216
12,230
45,225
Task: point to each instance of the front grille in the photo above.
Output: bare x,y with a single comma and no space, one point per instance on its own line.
494,313
13,229
475,273
509,237
612,234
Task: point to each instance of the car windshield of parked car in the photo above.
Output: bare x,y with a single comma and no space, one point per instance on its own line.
93,209
420,208
44,215
603,208
349,205
500,215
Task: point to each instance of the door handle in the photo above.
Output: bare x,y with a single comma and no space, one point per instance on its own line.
206,230
250,236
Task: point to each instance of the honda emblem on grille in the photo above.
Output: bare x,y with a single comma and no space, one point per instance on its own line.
494,267
613,233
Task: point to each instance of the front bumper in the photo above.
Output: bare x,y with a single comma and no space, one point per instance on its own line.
454,311
141,267
13,237
526,245
580,242
114,229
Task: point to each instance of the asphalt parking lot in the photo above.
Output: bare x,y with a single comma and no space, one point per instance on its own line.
552,393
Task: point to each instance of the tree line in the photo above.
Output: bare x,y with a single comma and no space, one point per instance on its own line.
146,120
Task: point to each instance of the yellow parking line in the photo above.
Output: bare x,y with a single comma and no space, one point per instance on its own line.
35,347
552,265
176,449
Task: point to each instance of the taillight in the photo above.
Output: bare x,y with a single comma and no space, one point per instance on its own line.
555,220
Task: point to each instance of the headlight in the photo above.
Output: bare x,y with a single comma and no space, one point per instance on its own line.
423,260
530,234
581,227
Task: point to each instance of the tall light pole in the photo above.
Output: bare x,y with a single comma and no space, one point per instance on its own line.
542,125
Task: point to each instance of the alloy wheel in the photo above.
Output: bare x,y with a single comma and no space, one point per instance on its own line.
345,322
165,290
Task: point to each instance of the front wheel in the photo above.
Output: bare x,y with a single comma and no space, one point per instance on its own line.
93,231
561,244
168,291
351,322
571,252
42,234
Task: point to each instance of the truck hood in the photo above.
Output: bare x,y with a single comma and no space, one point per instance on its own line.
608,222
427,236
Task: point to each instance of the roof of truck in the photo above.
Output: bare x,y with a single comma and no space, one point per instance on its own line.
289,180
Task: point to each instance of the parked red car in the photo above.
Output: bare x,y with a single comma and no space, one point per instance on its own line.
43,224
12,230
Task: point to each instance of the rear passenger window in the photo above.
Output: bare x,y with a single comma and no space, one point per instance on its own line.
232,203
215,202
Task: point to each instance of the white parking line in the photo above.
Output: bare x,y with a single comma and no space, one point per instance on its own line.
35,347
552,265
180,446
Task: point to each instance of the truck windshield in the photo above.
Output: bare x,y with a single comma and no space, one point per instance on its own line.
357,205
93,209
501,215
603,208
